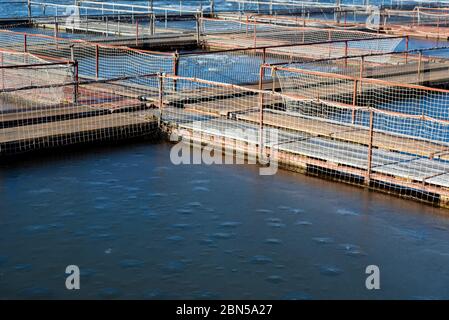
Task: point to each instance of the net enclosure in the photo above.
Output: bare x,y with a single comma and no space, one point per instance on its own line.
45,104
392,137
95,60
249,32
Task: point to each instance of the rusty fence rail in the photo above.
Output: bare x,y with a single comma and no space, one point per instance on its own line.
362,130
236,65
241,65
57,111
385,142
96,60
253,33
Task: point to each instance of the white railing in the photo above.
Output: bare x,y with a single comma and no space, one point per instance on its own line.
99,7
100,4
336,3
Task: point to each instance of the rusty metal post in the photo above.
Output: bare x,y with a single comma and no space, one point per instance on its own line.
261,144
406,48
176,58
362,67
76,82
438,27
264,55
97,61
153,25
75,73
362,70
338,11
261,77
346,52
137,32
29,9
74,95
72,52
198,29
212,8
255,35
3,71
56,29
419,66
354,100
370,147
107,26
161,97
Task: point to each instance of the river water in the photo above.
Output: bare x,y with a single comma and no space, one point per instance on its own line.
140,227
17,8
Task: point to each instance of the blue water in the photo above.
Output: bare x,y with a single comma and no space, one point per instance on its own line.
140,227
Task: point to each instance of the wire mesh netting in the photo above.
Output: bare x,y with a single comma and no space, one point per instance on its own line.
105,61
337,102
423,66
111,19
95,60
419,16
409,121
393,135
424,22
19,70
241,65
357,129
58,112
426,19
248,33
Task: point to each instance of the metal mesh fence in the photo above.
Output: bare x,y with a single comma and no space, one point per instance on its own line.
112,19
394,137
423,22
345,117
241,66
364,131
400,18
408,121
424,66
60,113
18,70
250,33
94,59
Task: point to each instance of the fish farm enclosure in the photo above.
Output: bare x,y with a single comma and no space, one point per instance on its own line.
349,97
